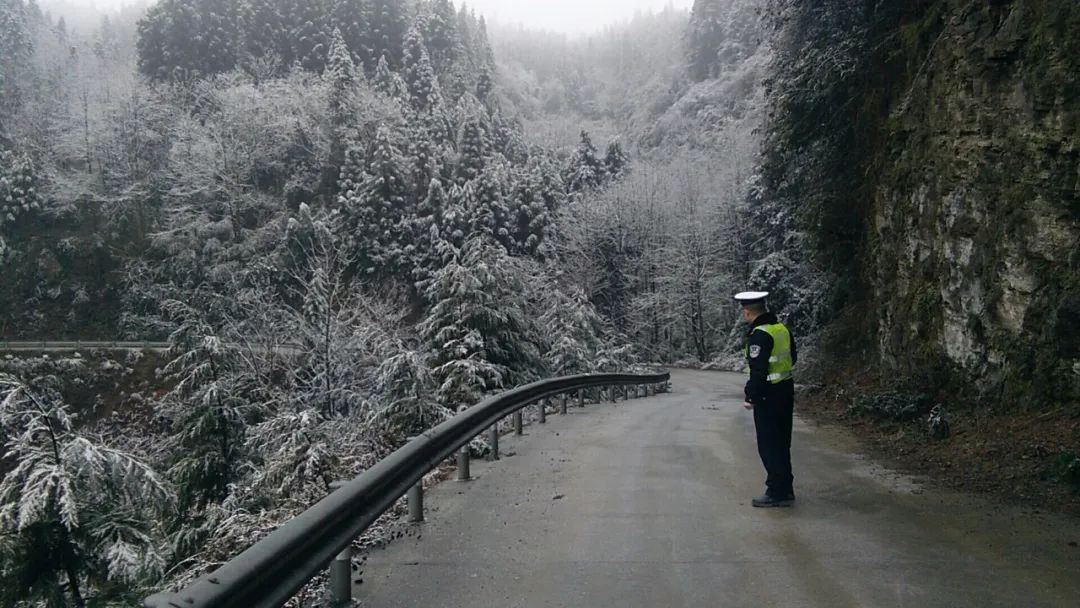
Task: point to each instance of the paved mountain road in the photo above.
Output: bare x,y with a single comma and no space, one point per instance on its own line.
647,504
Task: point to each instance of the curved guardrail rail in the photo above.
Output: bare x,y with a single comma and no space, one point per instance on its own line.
287,348
16,345
271,571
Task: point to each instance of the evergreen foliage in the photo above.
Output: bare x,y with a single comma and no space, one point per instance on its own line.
587,170
208,409
721,33
425,95
480,333
373,203
71,509
15,51
440,30
19,194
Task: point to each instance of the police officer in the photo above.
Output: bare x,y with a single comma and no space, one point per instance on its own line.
770,393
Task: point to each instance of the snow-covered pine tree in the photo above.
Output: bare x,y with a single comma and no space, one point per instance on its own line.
456,224
425,94
473,148
75,515
374,205
441,34
343,77
586,170
615,161
538,194
481,336
459,78
429,247
423,160
390,83
490,214
208,409
575,332
353,18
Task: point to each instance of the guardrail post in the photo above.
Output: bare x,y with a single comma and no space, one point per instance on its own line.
581,397
611,393
494,442
463,463
415,498
341,578
518,424
543,410
562,404
341,569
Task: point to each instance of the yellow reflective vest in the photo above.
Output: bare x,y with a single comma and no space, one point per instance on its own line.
780,362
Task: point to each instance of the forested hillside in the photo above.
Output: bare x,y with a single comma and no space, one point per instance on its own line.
234,176
682,94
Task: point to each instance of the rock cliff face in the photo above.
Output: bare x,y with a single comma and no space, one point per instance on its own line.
967,192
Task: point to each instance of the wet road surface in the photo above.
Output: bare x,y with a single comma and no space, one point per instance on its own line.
647,504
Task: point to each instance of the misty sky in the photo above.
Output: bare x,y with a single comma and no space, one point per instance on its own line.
570,16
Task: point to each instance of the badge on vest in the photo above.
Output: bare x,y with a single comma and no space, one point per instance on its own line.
755,351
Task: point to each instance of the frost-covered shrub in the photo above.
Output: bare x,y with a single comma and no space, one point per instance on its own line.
574,330
891,405
18,187
74,513
18,193
405,386
798,292
937,425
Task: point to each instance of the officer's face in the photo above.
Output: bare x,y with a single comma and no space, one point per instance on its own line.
747,315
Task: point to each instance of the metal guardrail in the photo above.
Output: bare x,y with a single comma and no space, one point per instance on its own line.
15,345
38,345
273,570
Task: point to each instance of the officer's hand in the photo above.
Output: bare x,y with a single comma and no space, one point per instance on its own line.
748,405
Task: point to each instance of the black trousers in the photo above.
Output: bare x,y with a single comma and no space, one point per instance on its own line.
773,421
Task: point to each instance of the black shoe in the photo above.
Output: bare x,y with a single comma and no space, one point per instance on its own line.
767,501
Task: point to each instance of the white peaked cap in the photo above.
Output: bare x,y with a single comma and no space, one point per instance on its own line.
749,297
